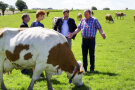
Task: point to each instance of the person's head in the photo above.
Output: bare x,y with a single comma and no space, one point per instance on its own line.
66,13
40,14
25,17
87,13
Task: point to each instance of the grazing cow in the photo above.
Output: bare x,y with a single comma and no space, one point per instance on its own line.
109,18
119,14
54,20
47,13
134,17
79,16
40,48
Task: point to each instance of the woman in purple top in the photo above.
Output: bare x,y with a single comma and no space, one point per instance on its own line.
39,16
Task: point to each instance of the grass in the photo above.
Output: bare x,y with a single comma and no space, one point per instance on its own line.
114,56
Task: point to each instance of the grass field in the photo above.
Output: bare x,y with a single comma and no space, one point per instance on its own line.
114,56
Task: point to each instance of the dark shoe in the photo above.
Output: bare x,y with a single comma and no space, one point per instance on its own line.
91,71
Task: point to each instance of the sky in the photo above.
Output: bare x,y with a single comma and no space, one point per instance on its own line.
77,4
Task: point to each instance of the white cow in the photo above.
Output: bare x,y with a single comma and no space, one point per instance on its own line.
40,48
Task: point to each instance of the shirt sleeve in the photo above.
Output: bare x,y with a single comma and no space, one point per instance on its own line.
79,25
97,24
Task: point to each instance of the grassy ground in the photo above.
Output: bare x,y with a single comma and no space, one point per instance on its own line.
115,59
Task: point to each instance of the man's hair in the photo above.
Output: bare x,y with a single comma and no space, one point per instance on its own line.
25,15
87,10
40,12
65,10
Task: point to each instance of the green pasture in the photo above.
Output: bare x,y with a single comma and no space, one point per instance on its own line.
114,56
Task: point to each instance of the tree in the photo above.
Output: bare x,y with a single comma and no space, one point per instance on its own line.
94,8
20,4
3,6
106,8
12,8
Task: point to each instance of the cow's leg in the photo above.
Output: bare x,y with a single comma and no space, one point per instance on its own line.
2,85
36,74
48,77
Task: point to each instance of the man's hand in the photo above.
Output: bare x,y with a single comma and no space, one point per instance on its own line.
70,35
103,35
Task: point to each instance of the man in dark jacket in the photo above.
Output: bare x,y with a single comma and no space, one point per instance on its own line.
65,26
26,19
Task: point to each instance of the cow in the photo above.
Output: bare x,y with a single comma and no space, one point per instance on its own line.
47,13
0,14
119,14
54,20
109,18
41,48
79,16
134,17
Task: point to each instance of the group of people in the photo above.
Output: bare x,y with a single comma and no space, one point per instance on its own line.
66,26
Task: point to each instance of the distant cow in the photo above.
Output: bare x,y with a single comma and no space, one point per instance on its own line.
109,18
47,13
44,49
79,16
54,20
120,14
134,17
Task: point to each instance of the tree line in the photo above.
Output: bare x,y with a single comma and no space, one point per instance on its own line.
20,4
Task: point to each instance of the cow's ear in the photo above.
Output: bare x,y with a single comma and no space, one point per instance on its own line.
80,66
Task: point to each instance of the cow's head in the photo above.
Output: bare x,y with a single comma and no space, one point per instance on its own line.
76,77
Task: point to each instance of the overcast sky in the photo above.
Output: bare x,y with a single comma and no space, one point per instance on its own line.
77,4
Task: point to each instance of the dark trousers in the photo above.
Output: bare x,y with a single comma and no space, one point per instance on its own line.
88,44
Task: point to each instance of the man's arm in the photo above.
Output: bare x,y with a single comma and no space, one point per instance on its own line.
102,34
74,33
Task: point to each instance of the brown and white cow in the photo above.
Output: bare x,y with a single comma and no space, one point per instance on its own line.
119,14
109,18
44,49
54,20
79,16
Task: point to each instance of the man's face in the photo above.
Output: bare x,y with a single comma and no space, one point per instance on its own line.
87,15
27,19
66,14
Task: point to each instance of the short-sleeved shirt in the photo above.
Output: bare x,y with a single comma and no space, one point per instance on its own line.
89,27
37,24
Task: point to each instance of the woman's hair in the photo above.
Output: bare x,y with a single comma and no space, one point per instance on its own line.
40,12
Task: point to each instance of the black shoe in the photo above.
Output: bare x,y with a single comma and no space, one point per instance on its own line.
91,71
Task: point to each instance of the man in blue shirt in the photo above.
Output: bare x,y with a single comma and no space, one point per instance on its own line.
65,25
88,27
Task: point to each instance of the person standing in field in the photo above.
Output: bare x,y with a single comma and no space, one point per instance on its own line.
66,25
88,27
25,19
39,16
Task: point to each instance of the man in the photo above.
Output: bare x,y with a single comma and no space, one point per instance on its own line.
88,27
26,19
39,16
66,25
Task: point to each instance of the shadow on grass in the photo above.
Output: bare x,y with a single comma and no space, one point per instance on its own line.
84,87
103,73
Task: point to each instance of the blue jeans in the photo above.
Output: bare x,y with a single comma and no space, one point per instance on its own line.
88,44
